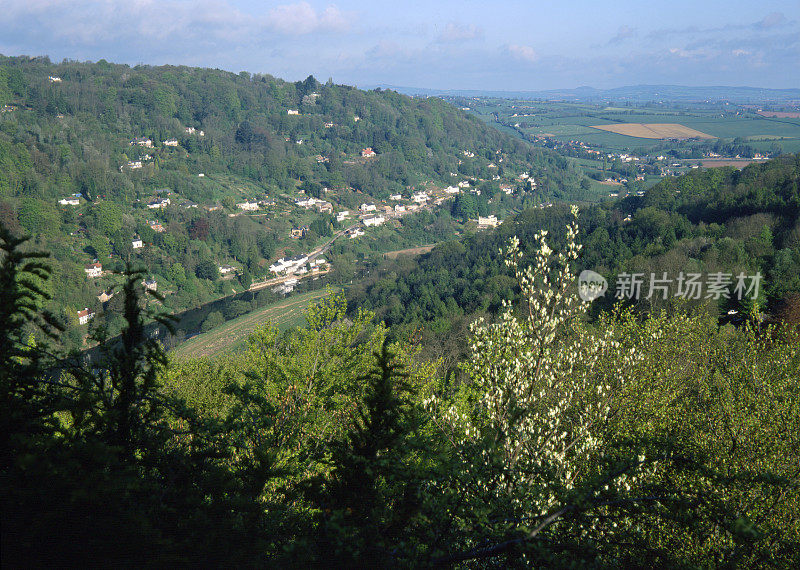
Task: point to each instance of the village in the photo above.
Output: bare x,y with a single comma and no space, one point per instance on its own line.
288,270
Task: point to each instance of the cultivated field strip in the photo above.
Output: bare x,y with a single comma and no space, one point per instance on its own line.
285,313
654,131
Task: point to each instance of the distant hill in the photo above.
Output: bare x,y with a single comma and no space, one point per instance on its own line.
634,93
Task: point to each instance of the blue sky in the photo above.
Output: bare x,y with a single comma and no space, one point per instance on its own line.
446,45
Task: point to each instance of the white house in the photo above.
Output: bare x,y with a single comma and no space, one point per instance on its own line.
306,203
487,222
134,164
171,142
396,197
463,184
156,204
376,221
420,197
225,269
54,79
343,215
189,130
142,141
292,112
451,190
150,284
288,264
367,207
137,243
399,209
248,206
93,270
279,266
367,153
356,232
69,201
85,316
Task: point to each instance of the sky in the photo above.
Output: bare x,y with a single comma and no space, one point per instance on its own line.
498,46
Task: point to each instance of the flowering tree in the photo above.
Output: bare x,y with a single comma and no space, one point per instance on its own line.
530,426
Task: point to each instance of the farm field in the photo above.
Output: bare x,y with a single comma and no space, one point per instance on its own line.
285,314
654,130
611,128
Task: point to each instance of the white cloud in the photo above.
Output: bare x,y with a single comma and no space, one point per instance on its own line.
525,53
301,18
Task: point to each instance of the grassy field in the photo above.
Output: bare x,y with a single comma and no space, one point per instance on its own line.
230,336
408,251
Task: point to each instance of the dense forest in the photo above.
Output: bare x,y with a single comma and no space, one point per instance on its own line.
164,155
626,441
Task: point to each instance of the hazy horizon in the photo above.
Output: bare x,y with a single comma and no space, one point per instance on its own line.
512,46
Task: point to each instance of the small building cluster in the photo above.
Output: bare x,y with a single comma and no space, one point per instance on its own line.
288,264
93,270
247,206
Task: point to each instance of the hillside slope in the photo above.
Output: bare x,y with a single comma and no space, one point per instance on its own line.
95,156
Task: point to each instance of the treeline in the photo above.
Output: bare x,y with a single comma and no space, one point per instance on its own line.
634,443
